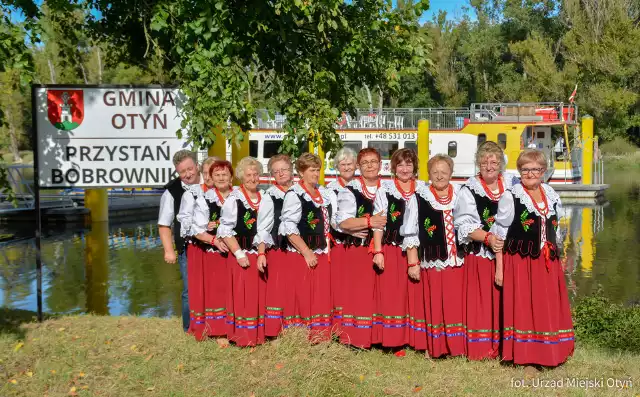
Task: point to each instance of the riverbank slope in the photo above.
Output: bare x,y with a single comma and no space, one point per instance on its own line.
134,356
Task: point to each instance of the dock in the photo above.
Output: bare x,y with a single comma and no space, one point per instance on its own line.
580,194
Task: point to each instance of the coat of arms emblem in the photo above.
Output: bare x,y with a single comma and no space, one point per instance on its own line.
65,108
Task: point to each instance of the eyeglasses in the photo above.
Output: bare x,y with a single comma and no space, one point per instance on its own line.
493,164
369,163
281,171
534,171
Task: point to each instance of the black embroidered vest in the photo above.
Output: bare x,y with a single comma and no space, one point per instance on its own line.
523,236
176,190
280,242
363,206
246,226
311,225
395,217
339,236
432,232
487,210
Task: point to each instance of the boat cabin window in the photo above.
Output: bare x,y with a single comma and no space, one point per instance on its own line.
355,145
502,141
452,149
253,148
482,138
270,149
385,148
540,134
411,145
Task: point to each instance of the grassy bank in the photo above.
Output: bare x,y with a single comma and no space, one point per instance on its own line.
131,356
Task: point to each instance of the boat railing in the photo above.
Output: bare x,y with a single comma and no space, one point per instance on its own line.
537,112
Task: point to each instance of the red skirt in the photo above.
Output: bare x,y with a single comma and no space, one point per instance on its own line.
207,282
245,303
309,301
392,304
417,323
480,308
537,317
337,286
359,298
443,311
277,294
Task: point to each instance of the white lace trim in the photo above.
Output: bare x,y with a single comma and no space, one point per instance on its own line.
355,183
288,229
225,233
424,192
296,232
263,237
196,189
485,252
410,242
439,264
465,230
389,186
237,195
275,192
211,196
552,199
475,185
325,193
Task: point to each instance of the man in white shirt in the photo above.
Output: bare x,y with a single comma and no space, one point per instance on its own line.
186,163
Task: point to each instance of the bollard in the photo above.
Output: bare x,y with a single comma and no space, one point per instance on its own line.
587,150
423,148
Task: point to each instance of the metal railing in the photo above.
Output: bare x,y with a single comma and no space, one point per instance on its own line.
550,112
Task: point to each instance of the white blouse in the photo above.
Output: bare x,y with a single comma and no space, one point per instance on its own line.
465,214
506,211
347,207
411,227
334,185
275,192
194,210
292,211
229,218
381,204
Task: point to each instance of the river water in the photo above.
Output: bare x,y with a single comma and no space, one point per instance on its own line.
119,269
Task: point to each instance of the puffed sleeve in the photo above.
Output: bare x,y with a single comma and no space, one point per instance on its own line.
465,216
380,204
333,198
291,214
504,217
560,213
346,206
185,215
409,229
228,218
166,209
265,222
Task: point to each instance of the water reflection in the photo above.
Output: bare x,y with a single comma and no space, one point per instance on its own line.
119,269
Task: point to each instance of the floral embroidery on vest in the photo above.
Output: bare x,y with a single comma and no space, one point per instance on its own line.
312,220
428,227
525,221
215,220
248,220
394,214
555,224
361,212
489,220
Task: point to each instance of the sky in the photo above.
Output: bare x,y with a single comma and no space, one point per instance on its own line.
452,7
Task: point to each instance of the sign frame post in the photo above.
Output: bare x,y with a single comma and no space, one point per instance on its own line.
36,194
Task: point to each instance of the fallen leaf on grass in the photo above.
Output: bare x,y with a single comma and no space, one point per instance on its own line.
53,371
361,378
76,337
13,381
417,389
180,367
148,357
152,388
133,347
82,374
378,373
400,353
18,346
279,366
254,362
30,374
85,387
61,329
72,391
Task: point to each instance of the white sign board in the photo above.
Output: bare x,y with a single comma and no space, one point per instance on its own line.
106,136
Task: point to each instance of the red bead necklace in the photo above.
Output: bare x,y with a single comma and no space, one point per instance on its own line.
255,205
493,197
444,200
406,194
365,191
545,205
317,198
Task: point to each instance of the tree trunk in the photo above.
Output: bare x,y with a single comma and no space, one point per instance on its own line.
99,66
13,145
366,87
380,100
52,72
84,73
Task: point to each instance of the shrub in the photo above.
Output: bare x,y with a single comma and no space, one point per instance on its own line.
599,322
618,147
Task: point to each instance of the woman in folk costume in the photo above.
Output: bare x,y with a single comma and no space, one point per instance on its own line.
537,325
345,163
356,217
245,226
474,215
306,222
281,169
389,256
199,217
431,242
205,168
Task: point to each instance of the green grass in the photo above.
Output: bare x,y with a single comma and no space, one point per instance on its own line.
131,356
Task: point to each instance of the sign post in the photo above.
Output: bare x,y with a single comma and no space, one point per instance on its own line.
98,137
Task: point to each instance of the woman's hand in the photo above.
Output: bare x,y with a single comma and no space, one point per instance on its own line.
243,262
378,260
310,258
262,262
378,221
414,273
211,225
496,243
222,247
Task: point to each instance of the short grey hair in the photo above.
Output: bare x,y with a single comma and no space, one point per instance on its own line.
207,161
245,163
184,154
345,153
